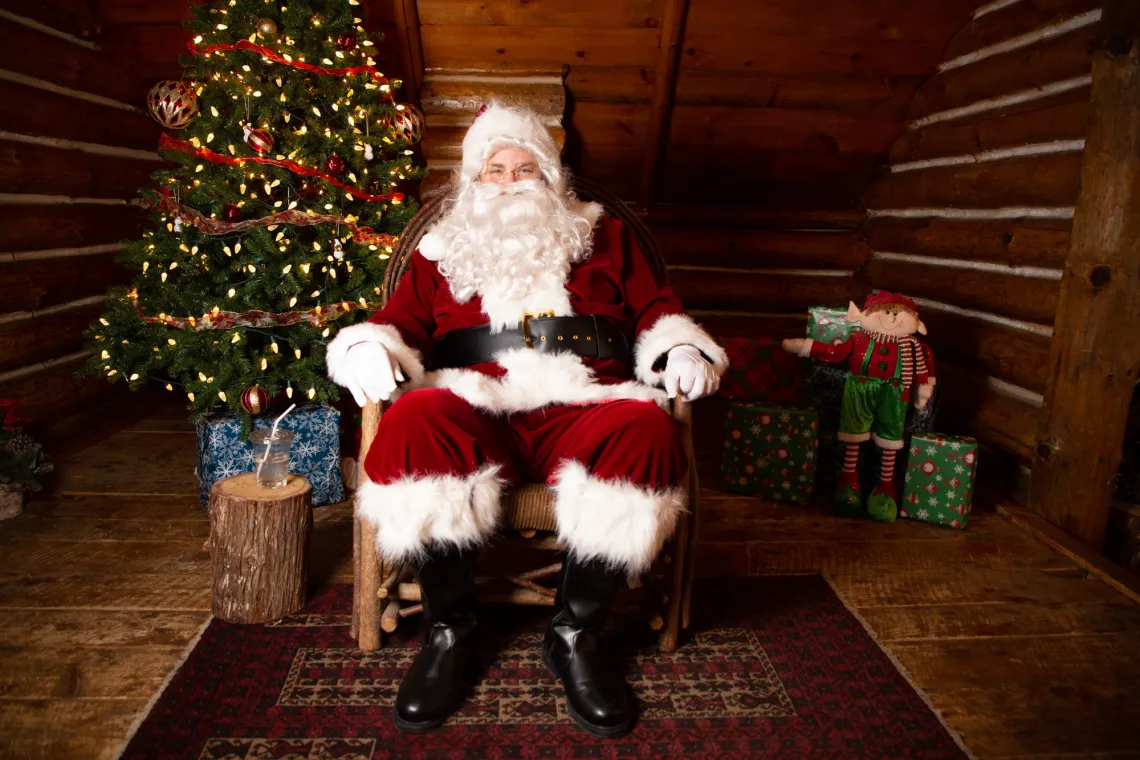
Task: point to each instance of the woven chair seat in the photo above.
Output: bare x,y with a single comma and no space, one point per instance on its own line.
529,507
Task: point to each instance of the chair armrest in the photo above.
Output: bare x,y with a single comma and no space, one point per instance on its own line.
369,424
682,410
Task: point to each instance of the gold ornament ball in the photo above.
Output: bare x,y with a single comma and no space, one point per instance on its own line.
266,27
407,123
173,103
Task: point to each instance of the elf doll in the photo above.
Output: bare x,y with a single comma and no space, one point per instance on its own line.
887,366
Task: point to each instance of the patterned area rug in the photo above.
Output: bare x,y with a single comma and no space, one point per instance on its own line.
776,668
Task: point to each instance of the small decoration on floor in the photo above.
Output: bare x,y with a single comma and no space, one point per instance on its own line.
260,140
887,368
255,399
231,213
334,164
173,103
407,123
22,461
939,481
266,27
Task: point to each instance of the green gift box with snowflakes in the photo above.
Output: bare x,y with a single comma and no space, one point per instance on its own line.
828,324
770,451
939,483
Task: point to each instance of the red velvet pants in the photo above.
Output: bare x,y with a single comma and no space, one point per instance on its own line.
432,431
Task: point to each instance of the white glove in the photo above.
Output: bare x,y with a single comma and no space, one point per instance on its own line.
688,372
372,372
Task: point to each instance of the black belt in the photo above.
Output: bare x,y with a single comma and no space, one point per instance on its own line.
587,336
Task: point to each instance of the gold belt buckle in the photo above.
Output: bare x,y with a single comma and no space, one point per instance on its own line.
527,316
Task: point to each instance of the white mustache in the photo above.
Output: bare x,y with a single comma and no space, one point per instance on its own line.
488,190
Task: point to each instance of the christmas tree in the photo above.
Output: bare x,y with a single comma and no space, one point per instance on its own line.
274,228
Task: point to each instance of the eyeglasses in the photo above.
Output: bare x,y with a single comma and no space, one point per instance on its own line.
499,174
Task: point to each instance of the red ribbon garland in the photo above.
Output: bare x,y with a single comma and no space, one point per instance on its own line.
166,142
278,58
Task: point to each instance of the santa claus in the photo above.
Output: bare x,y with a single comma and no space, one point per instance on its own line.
529,340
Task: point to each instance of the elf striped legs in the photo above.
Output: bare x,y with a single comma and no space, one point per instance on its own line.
882,504
848,499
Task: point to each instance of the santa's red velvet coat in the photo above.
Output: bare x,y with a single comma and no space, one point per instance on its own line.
594,429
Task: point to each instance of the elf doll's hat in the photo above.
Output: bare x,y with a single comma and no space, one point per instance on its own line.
881,299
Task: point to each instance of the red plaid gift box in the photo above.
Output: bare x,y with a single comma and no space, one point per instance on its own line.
760,369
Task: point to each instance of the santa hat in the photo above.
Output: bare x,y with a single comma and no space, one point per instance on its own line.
497,126
884,298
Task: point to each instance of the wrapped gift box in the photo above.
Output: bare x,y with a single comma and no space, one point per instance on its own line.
829,324
938,486
759,369
770,451
223,451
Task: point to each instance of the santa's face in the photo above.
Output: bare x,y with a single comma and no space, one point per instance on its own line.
890,320
509,165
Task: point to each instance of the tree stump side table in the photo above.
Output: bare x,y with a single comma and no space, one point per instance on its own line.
259,548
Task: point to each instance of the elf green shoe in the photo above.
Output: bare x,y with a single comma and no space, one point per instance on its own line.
848,502
881,506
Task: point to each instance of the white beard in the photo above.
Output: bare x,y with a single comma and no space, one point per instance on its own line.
513,245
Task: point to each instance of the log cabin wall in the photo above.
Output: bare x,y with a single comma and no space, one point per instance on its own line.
974,215
777,117
75,146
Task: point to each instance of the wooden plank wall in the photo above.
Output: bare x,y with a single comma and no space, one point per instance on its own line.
975,214
783,111
74,148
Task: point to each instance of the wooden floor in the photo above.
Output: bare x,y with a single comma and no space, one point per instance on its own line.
104,584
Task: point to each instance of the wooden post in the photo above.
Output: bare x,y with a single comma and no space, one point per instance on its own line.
259,548
408,22
1095,353
664,91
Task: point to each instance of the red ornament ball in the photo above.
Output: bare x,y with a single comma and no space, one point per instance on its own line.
260,140
255,399
406,124
166,192
346,41
231,213
173,103
334,164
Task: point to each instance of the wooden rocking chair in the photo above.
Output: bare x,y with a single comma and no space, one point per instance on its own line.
527,510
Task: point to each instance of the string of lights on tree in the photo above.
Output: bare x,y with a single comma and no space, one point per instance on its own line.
273,227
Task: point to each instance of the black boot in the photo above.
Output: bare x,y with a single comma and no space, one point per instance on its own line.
595,691
433,686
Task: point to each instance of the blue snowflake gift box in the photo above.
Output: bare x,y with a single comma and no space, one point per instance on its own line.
770,451
939,483
224,452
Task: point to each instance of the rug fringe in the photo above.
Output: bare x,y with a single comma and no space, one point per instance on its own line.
142,716
900,668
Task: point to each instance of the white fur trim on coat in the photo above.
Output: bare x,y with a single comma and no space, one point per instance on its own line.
415,512
336,355
615,520
668,332
535,380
